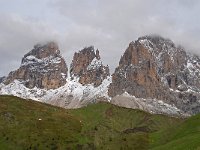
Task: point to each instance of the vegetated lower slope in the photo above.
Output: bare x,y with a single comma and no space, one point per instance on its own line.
183,136
111,127
26,124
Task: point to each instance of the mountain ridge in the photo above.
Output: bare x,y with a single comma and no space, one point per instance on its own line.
153,67
157,76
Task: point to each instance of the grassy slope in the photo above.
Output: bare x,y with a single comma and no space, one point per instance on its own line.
183,136
20,127
97,126
106,124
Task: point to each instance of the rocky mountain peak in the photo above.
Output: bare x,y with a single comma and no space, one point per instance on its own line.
88,67
153,75
81,60
42,67
44,50
156,39
154,67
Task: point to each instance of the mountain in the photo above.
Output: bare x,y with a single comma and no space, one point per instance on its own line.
153,75
87,66
98,126
42,67
154,68
44,76
88,81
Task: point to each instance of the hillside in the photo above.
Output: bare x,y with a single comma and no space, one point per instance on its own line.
26,124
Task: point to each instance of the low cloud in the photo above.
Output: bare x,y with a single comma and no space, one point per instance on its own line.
108,25
18,35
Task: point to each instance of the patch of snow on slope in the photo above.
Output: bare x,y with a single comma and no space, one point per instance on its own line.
33,60
95,64
147,44
190,66
71,88
150,105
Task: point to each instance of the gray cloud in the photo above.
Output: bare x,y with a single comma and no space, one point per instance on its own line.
17,37
111,25
108,25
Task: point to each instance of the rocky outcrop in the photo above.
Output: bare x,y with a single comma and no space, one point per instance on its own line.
43,72
87,66
153,67
42,67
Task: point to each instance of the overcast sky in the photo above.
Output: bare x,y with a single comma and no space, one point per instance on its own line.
109,25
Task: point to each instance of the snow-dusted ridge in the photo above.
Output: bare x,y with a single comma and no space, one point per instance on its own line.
153,106
33,60
71,95
178,73
95,64
75,95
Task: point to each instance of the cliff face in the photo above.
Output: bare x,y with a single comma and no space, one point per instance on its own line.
153,67
42,67
87,66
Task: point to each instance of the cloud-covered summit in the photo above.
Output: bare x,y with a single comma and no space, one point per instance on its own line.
108,25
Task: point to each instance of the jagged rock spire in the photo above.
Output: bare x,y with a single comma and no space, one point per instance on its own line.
87,66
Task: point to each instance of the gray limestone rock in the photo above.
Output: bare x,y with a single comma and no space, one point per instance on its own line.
88,67
154,67
42,67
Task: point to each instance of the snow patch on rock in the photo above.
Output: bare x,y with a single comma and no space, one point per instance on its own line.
153,106
95,64
76,93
